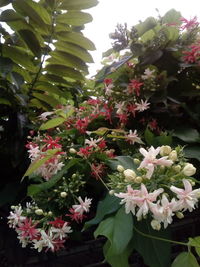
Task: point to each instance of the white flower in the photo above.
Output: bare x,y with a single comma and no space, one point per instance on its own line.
129,199
108,89
84,206
92,142
46,240
44,115
173,155
187,197
62,232
120,107
189,169
165,150
16,217
142,106
148,74
34,152
120,168
150,161
155,225
132,137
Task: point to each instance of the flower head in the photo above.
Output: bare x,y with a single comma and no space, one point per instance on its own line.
84,206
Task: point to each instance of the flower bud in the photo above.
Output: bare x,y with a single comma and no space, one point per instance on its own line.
74,175
129,175
111,192
165,150
72,150
189,169
63,194
155,225
173,155
39,211
179,215
50,213
136,161
120,168
138,179
177,168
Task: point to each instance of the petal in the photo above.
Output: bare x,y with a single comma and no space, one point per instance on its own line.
176,190
143,152
187,185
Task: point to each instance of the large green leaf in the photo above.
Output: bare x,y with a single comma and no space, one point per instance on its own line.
10,15
50,88
118,229
188,135
48,99
107,206
185,259
172,16
33,10
195,242
63,58
64,71
19,56
75,50
5,2
74,18
76,38
125,161
148,24
154,252
22,72
78,4
52,123
192,152
36,188
31,41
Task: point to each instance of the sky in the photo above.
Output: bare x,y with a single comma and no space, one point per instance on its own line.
108,13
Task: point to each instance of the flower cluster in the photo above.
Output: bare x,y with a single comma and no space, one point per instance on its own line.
160,186
41,229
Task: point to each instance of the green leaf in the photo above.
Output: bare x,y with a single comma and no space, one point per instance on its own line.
48,99
52,123
50,88
75,50
76,38
19,55
74,18
118,229
148,136
154,252
137,49
33,10
54,78
38,163
78,4
4,101
36,188
40,105
107,206
5,2
185,259
10,15
148,24
192,152
63,58
64,71
172,16
195,242
125,161
6,65
147,36
31,41
188,135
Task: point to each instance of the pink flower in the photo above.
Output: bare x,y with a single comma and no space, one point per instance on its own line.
134,85
192,55
51,143
97,170
145,200
189,23
150,161
187,197
85,151
82,124
27,229
142,106
108,81
133,138
132,109
76,216
84,206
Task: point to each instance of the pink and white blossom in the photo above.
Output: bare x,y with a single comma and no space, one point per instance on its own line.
188,198
16,217
142,106
148,74
84,206
150,161
133,138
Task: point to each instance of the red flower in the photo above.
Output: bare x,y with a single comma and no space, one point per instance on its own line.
132,109
51,143
76,216
189,23
97,170
108,81
82,124
135,85
85,151
58,244
58,222
93,101
193,54
123,118
27,229
102,144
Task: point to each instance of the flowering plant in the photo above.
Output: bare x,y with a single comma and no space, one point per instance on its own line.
120,142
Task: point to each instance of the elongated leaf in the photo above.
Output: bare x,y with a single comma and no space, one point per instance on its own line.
40,105
48,99
188,135
19,56
31,40
48,87
33,10
172,16
74,18
154,252
54,78
75,50
52,123
76,38
185,259
125,161
38,163
118,229
4,2
22,72
36,188
192,152
78,4
107,206
64,71
10,15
